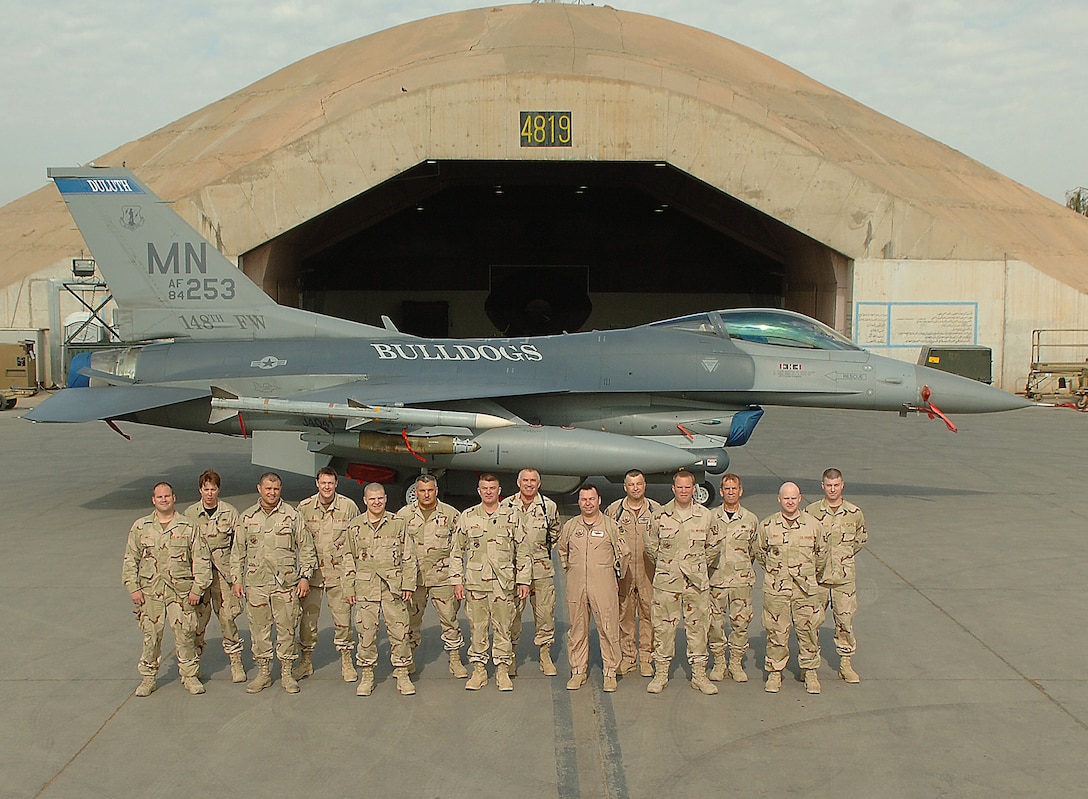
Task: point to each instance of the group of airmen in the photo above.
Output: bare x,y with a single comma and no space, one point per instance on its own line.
638,568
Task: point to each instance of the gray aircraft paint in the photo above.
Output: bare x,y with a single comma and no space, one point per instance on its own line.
659,397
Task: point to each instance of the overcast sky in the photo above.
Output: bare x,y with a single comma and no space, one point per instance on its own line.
1002,81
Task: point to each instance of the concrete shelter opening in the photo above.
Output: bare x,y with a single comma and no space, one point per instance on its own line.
651,240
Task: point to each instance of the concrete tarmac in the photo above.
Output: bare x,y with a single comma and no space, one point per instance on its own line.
970,650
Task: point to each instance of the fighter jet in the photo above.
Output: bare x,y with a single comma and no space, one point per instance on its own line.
207,350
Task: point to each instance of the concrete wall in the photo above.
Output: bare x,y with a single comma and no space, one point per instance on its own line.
996,304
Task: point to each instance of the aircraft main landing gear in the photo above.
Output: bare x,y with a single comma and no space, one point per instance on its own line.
704,493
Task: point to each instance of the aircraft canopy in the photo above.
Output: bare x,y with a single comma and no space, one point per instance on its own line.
762,326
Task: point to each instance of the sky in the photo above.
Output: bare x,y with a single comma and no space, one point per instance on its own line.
1003,82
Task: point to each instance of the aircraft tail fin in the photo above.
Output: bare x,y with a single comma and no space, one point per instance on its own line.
167,279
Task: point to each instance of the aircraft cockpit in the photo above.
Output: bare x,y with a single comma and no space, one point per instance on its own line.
763,326
705,324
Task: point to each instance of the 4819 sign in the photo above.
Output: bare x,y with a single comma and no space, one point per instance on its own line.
545,129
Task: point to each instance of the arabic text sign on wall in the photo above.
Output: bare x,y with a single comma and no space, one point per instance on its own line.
916,324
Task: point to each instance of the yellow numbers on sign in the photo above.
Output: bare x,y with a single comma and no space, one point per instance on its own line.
545,129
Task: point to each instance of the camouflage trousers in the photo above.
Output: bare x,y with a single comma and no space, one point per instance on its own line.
395,611
152,618
844,604
636,596
311,612
806,614
267,607
736,603
446,606
220,600
492,610
605,608
542,596
668,609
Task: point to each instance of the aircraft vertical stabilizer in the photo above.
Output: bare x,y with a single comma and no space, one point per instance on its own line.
167,279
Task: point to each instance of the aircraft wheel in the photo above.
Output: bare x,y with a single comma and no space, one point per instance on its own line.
410,492
704,493
9,403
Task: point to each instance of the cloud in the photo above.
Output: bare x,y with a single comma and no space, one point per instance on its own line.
999,81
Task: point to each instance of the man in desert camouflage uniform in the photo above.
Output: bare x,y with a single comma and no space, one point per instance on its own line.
430,525
731,581
216,520
272,560
594,556
489,572
326,515
538,529
791,548
845,526
384,579
165,569
679,542
632,513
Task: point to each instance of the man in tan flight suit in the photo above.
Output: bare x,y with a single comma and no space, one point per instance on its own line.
845,526
430,525
791,547
271,562
489,572
326,515
594,555
384,579
165,569
731,581
216,520
538,528
632,514
679,541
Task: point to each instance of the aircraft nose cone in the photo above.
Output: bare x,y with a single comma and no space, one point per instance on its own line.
954,394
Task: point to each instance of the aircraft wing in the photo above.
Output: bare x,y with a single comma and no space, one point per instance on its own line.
110,402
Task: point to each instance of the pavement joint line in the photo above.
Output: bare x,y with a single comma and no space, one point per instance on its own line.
86,743
566,749
615,778
1036,684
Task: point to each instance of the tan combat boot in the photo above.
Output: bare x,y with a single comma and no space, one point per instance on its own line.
610,683
347,668
478,679
513,666
546,664
502,677
305,666
812,682
404,682
366,681
718,672
287,679
263,678
774,682
736,666
193,685
626,666
699,681
237,670
661,678
457,668
576,681
846,671
646,666
146,687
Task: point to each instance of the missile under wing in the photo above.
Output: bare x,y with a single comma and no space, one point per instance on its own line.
207,350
